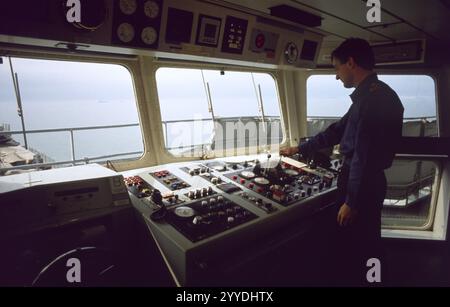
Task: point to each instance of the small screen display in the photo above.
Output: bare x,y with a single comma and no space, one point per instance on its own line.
308,50
210,30
179,25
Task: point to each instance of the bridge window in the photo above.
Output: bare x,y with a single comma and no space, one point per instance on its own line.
71,111
412,184
417,93
221,113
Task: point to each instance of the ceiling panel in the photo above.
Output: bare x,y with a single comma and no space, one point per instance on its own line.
347,18
434,16
330,24
400,31
354,11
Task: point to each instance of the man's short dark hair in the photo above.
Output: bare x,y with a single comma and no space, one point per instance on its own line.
357,48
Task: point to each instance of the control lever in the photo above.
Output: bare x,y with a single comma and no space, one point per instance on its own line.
267,165
160,213
257,168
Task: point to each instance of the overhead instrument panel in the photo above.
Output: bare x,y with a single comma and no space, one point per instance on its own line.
234,35
264,42
291,52
208,30
301,53
309,50
179,26
136,23
94,14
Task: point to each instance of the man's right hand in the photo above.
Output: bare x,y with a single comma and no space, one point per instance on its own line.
289,151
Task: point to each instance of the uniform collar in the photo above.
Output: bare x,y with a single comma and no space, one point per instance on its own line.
363,87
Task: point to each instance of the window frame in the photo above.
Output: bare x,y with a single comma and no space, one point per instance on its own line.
432,75
214,67
124,61
431,229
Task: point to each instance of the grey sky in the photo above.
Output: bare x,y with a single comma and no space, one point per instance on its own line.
181,91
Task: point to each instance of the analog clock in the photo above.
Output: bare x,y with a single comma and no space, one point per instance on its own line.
149,35
128,7
151,9
125,32
291,52
93,14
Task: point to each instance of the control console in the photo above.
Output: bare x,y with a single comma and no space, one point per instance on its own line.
209,216
281,182
197,210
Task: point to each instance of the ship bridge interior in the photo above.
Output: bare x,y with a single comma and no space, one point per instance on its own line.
142,137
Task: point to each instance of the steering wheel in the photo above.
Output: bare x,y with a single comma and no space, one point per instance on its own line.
86,266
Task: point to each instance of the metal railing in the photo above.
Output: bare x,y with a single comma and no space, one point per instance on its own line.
404,119
216,119
165,124
257,118
73,159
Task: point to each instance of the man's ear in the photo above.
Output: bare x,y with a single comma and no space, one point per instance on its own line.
351,62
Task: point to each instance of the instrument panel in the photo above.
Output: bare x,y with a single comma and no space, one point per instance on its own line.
221,205
201,200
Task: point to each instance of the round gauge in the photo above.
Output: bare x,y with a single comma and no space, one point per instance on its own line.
93,13
125,32
247,174
291,52
128,7
291,172
261,181
260,40
151,9
149,35
184,211
219,168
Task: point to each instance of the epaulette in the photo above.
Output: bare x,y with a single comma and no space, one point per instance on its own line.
374,87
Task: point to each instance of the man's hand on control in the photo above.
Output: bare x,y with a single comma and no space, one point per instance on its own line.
289,151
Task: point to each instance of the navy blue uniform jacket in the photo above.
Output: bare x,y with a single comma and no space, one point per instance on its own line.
367,134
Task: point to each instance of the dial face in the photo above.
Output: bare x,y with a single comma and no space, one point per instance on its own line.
151,9
184,211
93,13
149,35
128,7
125,32
291,52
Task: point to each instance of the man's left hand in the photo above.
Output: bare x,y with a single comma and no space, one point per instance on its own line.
346,215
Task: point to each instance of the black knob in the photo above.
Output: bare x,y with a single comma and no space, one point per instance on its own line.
157,197
257,168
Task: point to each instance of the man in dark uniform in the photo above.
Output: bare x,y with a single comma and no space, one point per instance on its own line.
367,135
